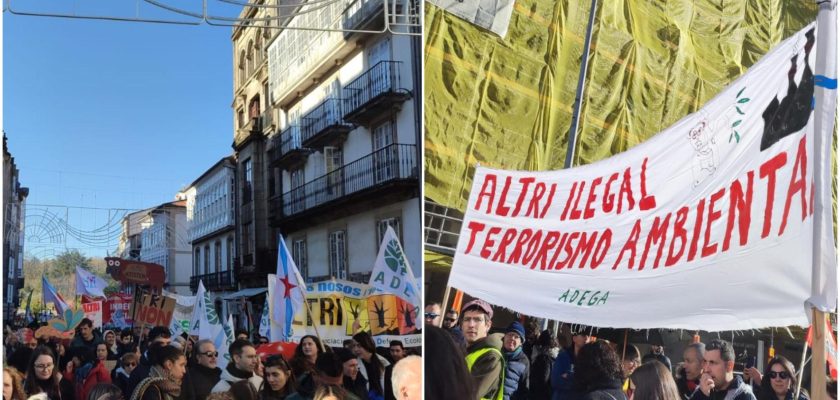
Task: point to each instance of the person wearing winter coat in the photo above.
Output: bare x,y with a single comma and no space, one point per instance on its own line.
122,373
544,353
204,374
563,370
90,372
169,365
598,374
517,365
242,366
718,381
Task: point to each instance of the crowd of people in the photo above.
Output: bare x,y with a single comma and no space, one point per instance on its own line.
471,363
150,364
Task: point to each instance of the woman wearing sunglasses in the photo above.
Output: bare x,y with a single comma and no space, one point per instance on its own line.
778,381
279,381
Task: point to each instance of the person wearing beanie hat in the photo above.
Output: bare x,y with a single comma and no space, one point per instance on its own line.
353,381
484,356
517,363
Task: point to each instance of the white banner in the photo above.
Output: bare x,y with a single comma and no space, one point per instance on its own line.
708,225
93,312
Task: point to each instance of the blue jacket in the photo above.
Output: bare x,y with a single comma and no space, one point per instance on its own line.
516,375
562,375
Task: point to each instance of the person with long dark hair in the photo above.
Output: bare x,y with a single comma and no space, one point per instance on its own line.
446,373
42,376
91,370
777,383
165,376
652,381
306,353
598,373
371,365
105,391
243,390
278,382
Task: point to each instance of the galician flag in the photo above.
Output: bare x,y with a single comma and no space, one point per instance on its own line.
205,322
288,291
391,272
50,295
89,284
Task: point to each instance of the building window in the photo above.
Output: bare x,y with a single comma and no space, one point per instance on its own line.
384,155
230,253
197,262
242,69
218,256
247,181
334,160
382,227
338,254
298,200
248,238
299,255
207,259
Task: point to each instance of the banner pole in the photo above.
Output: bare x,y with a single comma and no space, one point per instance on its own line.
802,364
818,359
624,350
444,304
314,325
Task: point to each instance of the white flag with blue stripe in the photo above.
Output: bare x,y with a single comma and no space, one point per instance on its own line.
288,291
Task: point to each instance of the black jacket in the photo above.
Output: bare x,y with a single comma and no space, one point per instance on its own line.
199,382
539,383
737,390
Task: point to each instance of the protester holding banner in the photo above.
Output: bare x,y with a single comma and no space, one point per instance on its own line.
652,381
278,382
204,374
778,381
371,365
42,376
306,353
165,377
718,380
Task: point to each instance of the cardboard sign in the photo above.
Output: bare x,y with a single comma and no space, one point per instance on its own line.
154,310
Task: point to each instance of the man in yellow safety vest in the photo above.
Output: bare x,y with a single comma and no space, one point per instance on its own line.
484,357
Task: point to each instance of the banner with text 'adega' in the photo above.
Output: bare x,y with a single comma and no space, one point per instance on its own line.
709,225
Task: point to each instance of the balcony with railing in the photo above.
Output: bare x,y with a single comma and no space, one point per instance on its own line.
250,130
286,148
383,177
365,15
324,126
215,281
374,92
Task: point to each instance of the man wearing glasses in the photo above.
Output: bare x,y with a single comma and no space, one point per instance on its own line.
203,376
484,357
432,314
242,366
450,321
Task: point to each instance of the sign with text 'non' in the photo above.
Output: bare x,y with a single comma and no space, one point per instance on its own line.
708,225
154,310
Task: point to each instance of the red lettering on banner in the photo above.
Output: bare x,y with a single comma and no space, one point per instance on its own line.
568,202
588,211
575,210
658,235
609,198
679,233
714,215
626,190
604,241
768,170
524,236
501,209
568,250
533,246
488,242
488,189
550,199
521,199
539,191
560,245
584,247
550,241
506,240
813,193
741,205
698,222
648,201
797,184
475,228
630,245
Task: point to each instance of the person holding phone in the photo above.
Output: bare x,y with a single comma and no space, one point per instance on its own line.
718,380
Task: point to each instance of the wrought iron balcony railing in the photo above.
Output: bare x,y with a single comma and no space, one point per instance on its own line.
214,281
389,164
376,89
324,124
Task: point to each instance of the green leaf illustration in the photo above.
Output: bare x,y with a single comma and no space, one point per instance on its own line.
741,91
212,318
744,100
739,110
394,258
736,123
737,137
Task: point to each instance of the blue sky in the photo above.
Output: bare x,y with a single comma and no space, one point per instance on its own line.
106,114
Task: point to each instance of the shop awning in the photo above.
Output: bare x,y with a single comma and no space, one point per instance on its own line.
244,293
